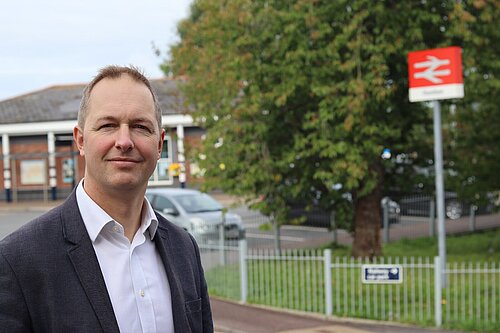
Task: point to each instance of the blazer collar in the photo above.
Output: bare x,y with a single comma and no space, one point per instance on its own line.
84,260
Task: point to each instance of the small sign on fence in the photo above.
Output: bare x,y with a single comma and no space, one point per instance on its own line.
382,273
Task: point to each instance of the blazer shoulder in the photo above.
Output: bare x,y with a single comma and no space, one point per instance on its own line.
168,226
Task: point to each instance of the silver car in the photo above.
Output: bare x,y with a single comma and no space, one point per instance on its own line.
196,212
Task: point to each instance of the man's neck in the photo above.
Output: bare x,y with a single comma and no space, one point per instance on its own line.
124,206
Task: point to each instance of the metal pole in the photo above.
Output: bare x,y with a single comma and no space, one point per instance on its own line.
51,143
438,159
277,236
222,238
7,179
472,218
432,218
333,226
327,263
180,155
243,270
385,219
438,313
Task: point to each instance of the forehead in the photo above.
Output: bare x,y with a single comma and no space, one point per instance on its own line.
120,95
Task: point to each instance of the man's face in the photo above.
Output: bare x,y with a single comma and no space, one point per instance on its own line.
120,138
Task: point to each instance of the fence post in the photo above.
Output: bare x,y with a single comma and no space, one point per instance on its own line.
242,244
222,250
333,226
432,218
438,313
385,218
327,263
472,218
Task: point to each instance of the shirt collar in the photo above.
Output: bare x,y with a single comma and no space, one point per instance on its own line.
149,220
95,218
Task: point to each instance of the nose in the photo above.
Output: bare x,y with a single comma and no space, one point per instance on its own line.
124,140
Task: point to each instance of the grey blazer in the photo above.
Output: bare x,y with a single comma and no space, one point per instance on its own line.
50,279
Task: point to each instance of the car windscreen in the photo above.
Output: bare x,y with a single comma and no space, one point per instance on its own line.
197,203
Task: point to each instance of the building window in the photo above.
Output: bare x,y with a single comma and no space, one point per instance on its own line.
161,176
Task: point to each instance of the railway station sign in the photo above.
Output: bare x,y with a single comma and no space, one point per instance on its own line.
435,74
381,273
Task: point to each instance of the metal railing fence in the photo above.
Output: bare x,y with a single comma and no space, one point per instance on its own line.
221,263
410,301
291,280
313,281
472,296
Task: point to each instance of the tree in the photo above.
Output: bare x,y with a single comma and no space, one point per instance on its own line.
473,122
299,98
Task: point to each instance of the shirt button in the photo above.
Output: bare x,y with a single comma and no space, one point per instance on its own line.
116,228
141,292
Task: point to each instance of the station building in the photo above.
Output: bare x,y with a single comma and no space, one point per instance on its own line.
40,160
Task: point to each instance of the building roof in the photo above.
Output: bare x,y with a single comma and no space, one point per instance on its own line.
59,103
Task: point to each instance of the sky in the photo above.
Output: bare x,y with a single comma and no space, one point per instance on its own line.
53,42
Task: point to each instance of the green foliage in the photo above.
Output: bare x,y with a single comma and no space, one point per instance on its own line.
472,146
299,97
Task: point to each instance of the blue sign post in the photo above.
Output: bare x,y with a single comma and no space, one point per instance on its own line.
381,273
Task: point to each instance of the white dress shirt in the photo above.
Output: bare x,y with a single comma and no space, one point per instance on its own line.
134,273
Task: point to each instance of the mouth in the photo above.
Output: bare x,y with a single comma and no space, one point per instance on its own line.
123,161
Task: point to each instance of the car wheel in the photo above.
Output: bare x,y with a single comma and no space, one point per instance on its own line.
453,210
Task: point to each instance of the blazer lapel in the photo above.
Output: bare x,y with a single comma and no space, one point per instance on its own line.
178,302
83,257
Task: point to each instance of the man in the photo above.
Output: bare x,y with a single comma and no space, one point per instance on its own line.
104,261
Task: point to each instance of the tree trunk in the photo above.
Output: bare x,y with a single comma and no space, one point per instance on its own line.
367,226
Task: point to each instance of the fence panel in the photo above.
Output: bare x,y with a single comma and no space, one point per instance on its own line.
472,297
292,280
223,278
409,301
299,280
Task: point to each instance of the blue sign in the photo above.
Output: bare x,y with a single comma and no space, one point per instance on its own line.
382,273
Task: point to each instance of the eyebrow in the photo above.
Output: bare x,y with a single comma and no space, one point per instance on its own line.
134,120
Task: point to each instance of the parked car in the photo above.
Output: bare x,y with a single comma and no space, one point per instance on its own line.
196,212
393,210
314,216
420,205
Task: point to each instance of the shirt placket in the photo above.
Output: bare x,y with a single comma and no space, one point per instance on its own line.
142,292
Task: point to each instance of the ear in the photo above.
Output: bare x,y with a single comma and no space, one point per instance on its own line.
78,137
160,143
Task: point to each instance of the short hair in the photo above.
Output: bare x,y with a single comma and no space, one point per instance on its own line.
114,72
